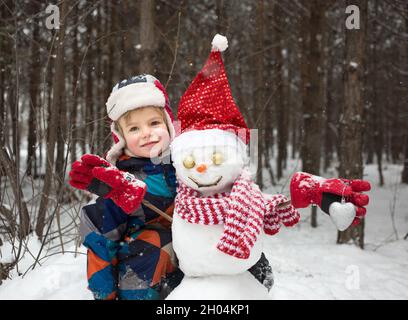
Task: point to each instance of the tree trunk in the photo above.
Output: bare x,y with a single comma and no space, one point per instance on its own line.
100,75
330,114
221,10
11,161
304,75
313,101
352,124
259,90
89,127
265,77
3,130
61,132
10,169
281,111
34,79
12,103
75,87
111,63
58,88
404,176
147,36
101,22
377,105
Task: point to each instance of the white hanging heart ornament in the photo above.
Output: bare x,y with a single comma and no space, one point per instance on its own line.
342,214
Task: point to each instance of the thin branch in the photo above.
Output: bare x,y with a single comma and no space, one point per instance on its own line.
175,50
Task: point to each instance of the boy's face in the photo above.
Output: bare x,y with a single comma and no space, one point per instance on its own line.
145,132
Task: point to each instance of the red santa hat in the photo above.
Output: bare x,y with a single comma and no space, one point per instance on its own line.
207,113
130,94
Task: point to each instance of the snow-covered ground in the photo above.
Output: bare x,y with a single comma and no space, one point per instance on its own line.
307,262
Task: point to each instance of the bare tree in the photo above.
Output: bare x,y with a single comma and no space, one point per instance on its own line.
147,35
74,90
35,71
88,132
313,82
378,110
281,111
352,124
21,205
58,88
260,89
404,176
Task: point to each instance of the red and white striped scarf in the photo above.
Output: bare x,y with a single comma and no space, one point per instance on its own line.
244,212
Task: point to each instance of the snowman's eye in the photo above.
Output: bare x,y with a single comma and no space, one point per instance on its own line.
217,158
189,162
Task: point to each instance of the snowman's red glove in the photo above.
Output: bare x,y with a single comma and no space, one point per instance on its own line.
306,189
125,190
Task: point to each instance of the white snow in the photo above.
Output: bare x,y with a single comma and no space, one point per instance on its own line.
307,262
60,277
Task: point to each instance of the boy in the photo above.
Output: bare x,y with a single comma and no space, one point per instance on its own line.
129,246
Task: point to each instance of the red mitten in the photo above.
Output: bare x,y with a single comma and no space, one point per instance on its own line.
306,189
127,192
81,176
359,199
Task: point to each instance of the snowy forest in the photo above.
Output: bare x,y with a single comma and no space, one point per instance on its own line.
323,81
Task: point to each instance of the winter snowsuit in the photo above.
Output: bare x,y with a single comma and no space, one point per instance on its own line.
131,256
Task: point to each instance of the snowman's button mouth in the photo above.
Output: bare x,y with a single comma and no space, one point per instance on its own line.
200,184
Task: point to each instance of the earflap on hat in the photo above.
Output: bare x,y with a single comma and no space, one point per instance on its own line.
119,144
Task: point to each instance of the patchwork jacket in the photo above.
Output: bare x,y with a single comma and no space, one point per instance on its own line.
131,256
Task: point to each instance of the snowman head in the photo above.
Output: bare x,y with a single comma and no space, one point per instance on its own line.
208,161
209,152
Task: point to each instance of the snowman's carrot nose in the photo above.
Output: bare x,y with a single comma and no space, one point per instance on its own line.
201,168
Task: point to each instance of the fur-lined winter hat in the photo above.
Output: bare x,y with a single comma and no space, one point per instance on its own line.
136,92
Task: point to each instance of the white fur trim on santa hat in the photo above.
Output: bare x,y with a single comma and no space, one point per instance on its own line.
219,43
204,138
134,96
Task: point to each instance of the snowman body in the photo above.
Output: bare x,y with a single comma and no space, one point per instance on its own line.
195,246
242,286
209,272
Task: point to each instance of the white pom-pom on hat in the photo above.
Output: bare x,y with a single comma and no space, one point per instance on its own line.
219,43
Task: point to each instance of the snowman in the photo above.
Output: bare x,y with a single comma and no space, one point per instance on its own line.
221,216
